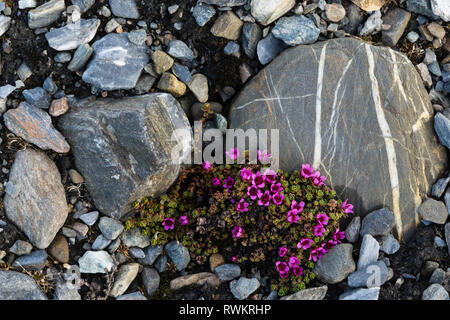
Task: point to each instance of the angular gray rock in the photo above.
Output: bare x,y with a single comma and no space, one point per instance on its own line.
296,30
244,287
336,264
251,34
320,126
441,8
442,128
132,296
447,236
35,126
64,292
361,294
369,251
35,199
203,12
117,63
226,3
84,5
268,48
100,243
37,97
126,274
21,247
439,187
352,230
317,293
72,35
390,245
45,14
133,137
135,238
80,57
89,218
178,254
110,228
378,223
95,262
398,20
4,24
19,286
151,279
433,211
179,50
374,275
151,254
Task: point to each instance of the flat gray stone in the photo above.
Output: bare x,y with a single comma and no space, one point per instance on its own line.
378,223
126,274
4,24
308,294
19,286
422,7
433,211
336,264
369,251
45,14
117,63
202,13
133,135
72,35
398,20
32,261
95,262
35,126
361,294
439,187
64,292
84,5
21,247
179,50
80,57
268,48
251,34
442,128
438,276
353,151
137,253
267,11
100,243
124,8
244,287
89,218
226,3
35,199
227,272
132,296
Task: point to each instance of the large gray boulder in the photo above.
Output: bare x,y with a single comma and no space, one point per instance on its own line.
123,147
19,286
35,199
358,113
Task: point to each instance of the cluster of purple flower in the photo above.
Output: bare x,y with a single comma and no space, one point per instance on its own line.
293,264
169,223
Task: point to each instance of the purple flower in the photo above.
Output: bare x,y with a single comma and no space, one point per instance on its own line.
348,208
307,171
206,165
253,192
297,206
258,180
282,251
338,236
319,230
270,175
246,174
168,223
282,268
234,259
293,262
319,181
237,232
228,183
184,220
329,245
242,206
264,200
233,153
215,181
316,254
276,188
278,198
305,243
298,271
263,156
322,218
292,216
